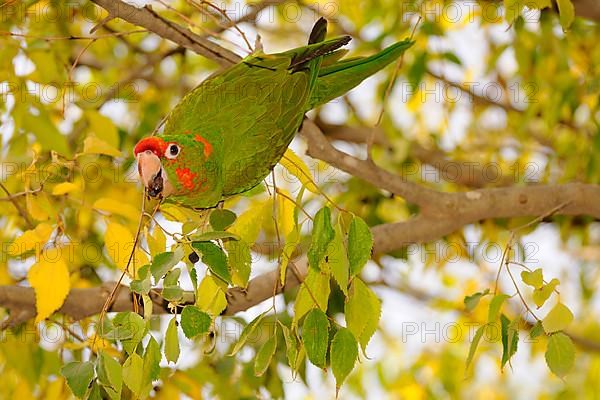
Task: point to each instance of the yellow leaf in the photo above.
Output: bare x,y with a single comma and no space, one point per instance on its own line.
248,225
38,206
117,207
93,145
65,188
49,277
31,239
119,244
5,278
295,166
174,212
566,11
157,241
211,296
55,390
96,343
22,390
285,211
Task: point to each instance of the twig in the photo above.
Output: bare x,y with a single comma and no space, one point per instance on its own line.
20,209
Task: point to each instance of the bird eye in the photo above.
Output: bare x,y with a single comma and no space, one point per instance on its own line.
172,151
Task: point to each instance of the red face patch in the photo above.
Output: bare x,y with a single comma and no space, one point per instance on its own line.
153,143
207,146
186,178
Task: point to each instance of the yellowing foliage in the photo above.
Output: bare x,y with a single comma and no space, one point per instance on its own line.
49,277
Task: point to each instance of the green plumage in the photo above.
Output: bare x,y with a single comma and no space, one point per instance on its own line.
250,112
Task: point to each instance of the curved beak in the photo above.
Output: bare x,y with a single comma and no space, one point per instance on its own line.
153,175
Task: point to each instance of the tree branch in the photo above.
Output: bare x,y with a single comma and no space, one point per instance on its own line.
149,19
319,147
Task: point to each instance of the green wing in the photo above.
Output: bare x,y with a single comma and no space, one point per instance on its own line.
252,110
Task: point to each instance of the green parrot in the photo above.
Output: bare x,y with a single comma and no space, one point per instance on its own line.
227,134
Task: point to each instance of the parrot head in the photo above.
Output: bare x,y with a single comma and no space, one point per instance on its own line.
182,167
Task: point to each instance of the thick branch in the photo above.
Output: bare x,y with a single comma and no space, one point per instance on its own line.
589,9
83,303
147,18
449,212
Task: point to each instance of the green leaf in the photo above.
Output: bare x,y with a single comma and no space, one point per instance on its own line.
314,291
473,300
417,70
560,354
110,375
566,11
534,278
291,243
151,368
142,284
194,321
172,277
148,306
172,341
344,352
79,375
163,262
248,330
132,373
215,259
322,235
265,354
474,344
337,260
451,57
495,306
221,219
292,347
510,338
130,322
172,293
542,294
362,312
94,392
315,335
239,261
360,245
536,330
214,235
557,319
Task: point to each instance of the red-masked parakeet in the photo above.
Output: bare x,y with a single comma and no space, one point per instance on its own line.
226,135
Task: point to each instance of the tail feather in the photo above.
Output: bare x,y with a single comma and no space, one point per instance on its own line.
338,78
319,31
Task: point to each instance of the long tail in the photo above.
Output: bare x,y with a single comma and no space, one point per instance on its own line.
338,78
